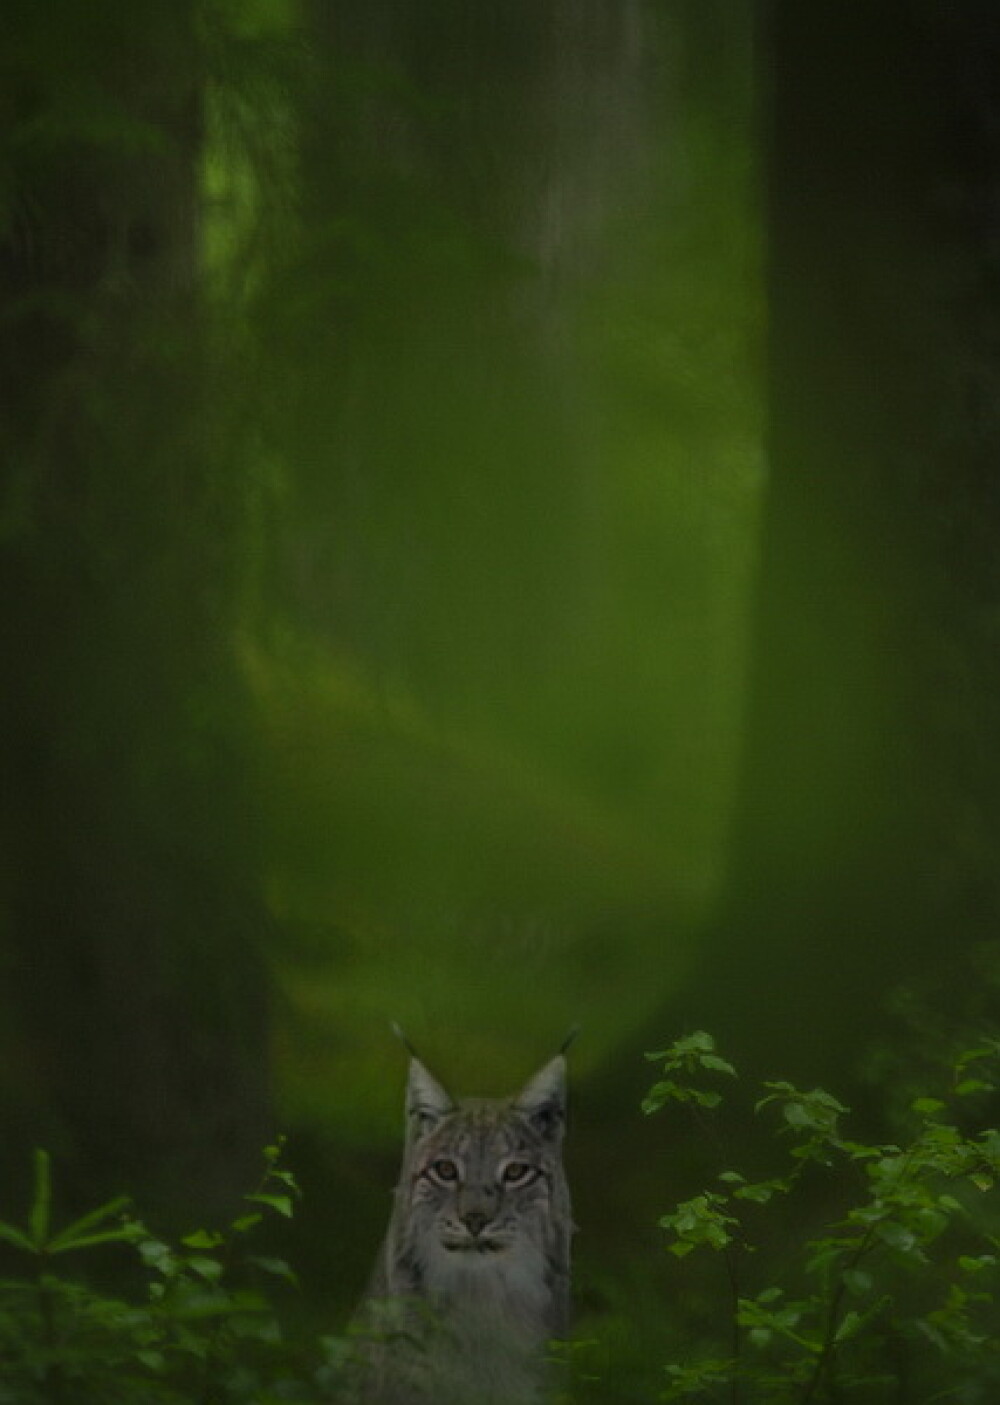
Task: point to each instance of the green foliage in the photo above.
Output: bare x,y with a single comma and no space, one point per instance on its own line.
687,1057
889,1294
892,1292
201,1327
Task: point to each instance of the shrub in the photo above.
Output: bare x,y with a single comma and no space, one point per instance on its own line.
893,1297
203,1330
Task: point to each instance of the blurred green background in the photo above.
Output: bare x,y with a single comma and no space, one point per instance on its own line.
496,531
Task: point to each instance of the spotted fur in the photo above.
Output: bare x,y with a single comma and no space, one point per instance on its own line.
472,1280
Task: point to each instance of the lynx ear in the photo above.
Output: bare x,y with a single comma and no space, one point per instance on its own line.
543,1099
426,1101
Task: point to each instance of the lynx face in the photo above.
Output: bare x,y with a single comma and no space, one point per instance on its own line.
482,1199
481,1183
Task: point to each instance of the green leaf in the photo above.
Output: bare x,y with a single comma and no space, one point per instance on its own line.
930,1222
66,1238
41,1208
970,1264
662,1092
701,1221
897,1236
760,1192
718,1065
126,1235
287,1178
860,1151
927,1106
157,1255
856,1281
983,1051
245,1223
757,1313
202,1239
10,1234
204,1267
848,1327
278,1267
281,1203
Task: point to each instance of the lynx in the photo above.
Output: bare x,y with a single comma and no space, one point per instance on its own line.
473,1276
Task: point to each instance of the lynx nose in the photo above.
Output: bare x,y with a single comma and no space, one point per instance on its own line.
475,1222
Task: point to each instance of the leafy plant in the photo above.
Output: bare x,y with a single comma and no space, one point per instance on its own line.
205,1329
894,1297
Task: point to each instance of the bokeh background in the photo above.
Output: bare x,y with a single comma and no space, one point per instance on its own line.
498,530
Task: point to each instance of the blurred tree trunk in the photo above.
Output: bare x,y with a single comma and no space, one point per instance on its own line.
866,844
130,908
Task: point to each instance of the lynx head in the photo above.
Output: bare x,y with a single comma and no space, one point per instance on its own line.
482,1198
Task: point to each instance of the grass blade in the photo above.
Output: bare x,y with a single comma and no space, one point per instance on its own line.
125,1235
66,1238
10,1234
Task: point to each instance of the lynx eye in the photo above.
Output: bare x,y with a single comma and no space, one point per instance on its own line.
444,1170
518,1173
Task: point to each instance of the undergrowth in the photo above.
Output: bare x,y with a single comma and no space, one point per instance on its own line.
889,1295
203,1330
891,1291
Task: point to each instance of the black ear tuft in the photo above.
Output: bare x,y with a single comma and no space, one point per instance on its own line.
571,1037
